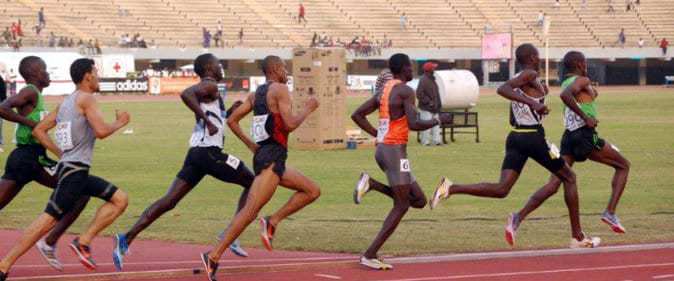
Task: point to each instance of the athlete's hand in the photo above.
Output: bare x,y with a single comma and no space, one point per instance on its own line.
212,129
123,117
540,108
591,122
311,104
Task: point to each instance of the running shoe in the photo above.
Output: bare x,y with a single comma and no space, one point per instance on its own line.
441,192
587,242
121,247
83,252
267,233
236,248
613,221
49,254
210,266
511,228
375,263
3,276
362,187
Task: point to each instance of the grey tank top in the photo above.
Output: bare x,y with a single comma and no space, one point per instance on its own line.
74,136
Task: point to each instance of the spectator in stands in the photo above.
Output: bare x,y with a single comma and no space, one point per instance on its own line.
219,27
217,38
384,76
428,95
610,7
19,28
90,47
14,30
206,37
17,44
641,42
301,14
583,4
403,21
621,38
41,22
152,45
663,45
541,18
97,47
52,40
314,40
7,36
557,4
241,36
141,42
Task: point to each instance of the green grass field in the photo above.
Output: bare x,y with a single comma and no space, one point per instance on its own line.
145,163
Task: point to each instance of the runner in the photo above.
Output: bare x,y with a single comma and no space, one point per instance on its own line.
29,161
78,121
204,157
581,140
397,115
273,121
526,140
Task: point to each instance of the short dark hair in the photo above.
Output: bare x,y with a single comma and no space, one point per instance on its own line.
201,62
79,68
26,66
571,60
523,53
397,62
268,62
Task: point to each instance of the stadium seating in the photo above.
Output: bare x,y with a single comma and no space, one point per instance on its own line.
274,23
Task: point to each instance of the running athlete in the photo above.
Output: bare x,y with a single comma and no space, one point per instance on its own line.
581,141
204,157
273,120
526,140
29,161
78,121
397,115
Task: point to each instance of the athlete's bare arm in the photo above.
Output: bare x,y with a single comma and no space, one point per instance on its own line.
280,93
568,97
191,97
527,77
360,115
27,96
414,123
41,132
233,121
87,103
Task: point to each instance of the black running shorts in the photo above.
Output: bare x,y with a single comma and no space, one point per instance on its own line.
201,161
269,154
581,142
26,162
521,146
74,182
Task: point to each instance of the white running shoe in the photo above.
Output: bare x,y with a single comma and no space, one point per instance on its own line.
587,242
375,264
511,228
49,254
441,192
362,187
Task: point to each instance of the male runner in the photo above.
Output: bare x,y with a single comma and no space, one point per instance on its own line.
581,141
78,122
273,121
204,157
397,115
526,140
29,161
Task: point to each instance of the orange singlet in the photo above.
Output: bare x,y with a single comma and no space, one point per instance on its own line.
390,131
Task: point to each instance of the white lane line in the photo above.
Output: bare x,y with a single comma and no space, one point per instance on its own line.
333,277
663,276
222,262
518,273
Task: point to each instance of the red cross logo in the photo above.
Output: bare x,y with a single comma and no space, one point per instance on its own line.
116,67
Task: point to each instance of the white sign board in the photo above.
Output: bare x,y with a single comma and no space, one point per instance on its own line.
116,65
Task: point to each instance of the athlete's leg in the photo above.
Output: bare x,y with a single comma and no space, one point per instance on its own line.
105,216
611,157
401,203
178,189
30,236
8,190
64,223
494,190
306,192
260,193
382,188
543,193
417,197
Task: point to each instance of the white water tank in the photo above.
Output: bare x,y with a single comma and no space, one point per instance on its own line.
459,89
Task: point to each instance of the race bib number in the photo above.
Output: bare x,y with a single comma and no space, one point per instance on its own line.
63,136
382,130
233,162
257,130
571,120
554,150
405,166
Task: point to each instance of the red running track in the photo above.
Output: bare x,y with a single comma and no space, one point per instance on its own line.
653,265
